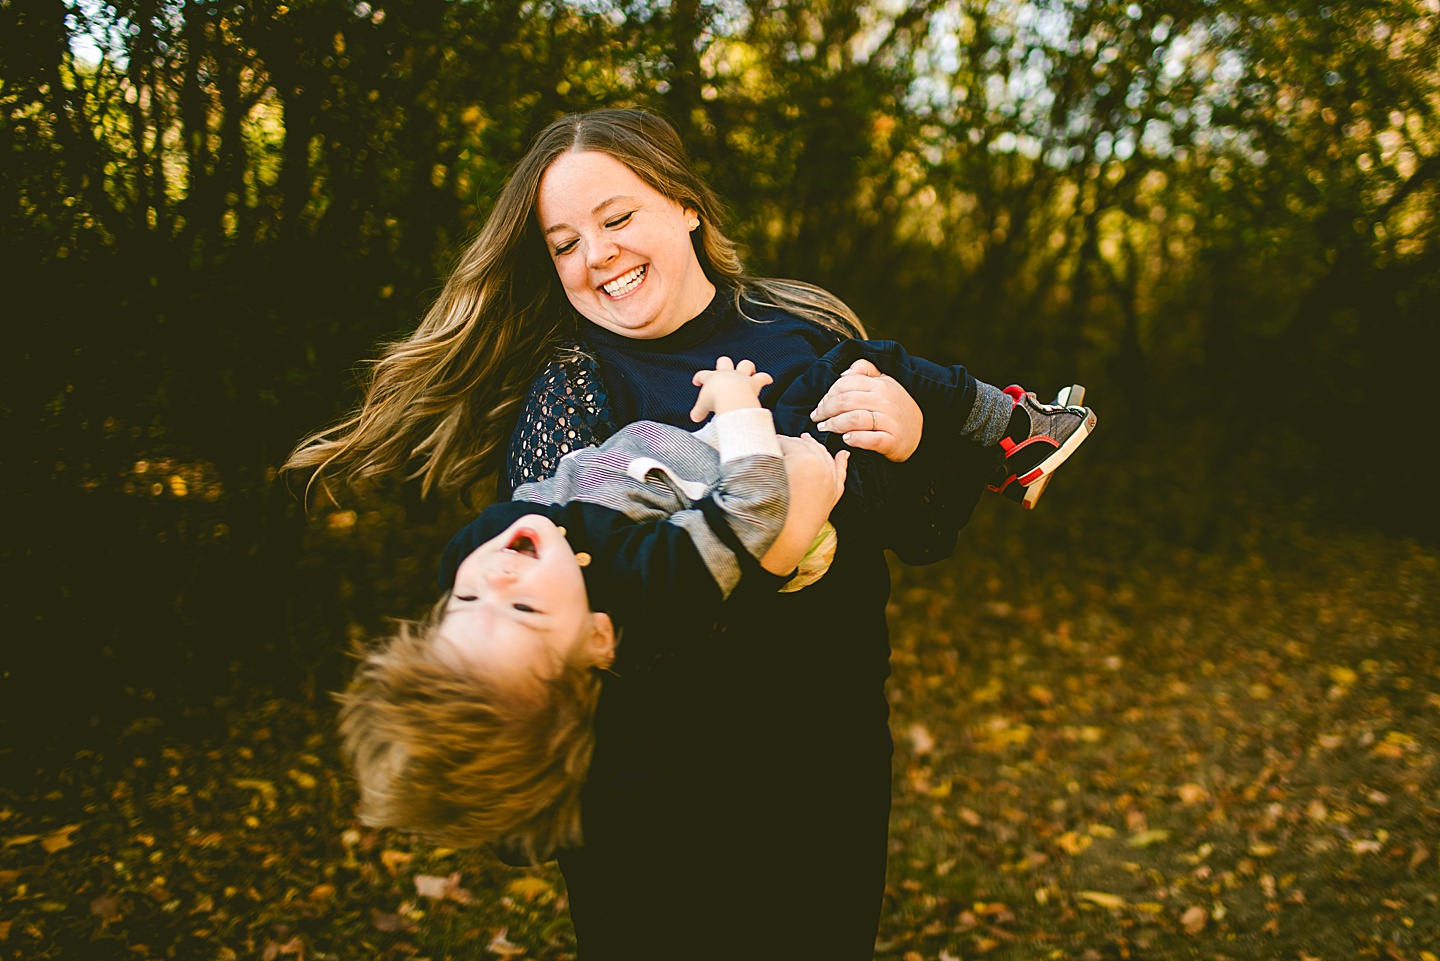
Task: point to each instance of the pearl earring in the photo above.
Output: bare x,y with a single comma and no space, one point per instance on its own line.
583,559
693,222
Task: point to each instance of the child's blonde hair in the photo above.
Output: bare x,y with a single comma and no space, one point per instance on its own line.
448,754
440,404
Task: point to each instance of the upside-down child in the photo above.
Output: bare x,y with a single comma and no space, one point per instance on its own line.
478,726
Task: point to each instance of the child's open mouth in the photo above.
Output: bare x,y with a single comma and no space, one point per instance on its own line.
523,543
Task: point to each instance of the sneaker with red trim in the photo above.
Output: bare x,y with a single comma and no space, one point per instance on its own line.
1039,439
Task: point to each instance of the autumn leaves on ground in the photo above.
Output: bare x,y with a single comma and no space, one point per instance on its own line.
1103,751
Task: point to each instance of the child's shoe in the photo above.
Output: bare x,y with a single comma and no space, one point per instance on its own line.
1040,438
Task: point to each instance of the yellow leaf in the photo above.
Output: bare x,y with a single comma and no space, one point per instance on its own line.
1072,843
1146,838
394,860
307,781
19,839
1192,793
530,888
59,840
1343,676
1112,901
1194,919
1262,850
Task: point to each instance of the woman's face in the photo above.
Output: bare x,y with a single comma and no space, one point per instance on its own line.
621,248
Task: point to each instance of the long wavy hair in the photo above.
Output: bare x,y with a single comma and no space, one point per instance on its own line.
440,405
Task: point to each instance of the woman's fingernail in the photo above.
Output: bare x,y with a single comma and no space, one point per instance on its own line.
845,437
823,425
814,414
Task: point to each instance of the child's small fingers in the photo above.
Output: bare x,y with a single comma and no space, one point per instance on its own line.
746,367
763,379
864,368
697,413
724,363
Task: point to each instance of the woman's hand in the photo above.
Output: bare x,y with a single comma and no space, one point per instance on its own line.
730,386
872,412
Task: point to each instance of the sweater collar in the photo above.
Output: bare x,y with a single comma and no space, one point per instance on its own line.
688,334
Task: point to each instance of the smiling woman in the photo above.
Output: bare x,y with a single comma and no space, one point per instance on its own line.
757,731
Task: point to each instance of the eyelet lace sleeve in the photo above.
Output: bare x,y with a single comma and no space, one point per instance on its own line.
567,408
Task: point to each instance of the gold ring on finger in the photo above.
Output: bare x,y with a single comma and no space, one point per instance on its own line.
874,422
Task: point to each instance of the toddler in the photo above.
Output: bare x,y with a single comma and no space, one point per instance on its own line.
478,725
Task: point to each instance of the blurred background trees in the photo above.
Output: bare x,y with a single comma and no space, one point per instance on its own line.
1219,215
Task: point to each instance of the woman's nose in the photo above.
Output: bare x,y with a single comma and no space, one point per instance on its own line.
601,251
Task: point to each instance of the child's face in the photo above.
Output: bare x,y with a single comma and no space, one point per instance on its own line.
519,609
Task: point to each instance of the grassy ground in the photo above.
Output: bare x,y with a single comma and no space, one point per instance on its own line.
1106,748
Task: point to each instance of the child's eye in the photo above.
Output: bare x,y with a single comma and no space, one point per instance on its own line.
566,247
464,597
525,608
620,221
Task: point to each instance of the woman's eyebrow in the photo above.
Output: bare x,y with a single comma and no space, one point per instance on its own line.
594,210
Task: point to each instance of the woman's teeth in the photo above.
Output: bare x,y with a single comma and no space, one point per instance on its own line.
625,283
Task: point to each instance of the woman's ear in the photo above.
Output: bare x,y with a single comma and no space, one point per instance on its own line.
600,645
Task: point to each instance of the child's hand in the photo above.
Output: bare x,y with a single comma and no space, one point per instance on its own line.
817,481
728,387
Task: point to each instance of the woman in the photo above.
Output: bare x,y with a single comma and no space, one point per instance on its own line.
738,798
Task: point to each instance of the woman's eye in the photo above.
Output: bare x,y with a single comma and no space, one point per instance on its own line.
620,221
566,247
464,597
526,608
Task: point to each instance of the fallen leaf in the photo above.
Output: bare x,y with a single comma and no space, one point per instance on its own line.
307,781
19,839
1262,850
1112,901
1146,838
59,840
1192,793
5,930
394,860
431,886
1360,846
390,923
1317,811
1194,919
921,740
503,946
1072,843
106,908
529,888
322,892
